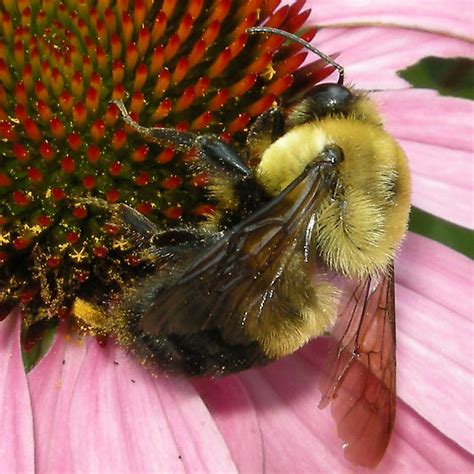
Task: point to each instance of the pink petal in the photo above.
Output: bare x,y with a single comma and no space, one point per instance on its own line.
436,133
16,421
372,56
437,272
296,436
442,454
234,414
123,419
435,343
51,385
450,18
442,199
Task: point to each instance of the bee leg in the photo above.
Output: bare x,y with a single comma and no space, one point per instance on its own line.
171,249
135,221
217,155
226,168
247,191
268,127
159,241
183,236
222,157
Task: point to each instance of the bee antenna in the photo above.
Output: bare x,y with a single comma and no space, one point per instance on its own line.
302,42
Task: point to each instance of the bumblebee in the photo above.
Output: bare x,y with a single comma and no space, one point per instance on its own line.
318,200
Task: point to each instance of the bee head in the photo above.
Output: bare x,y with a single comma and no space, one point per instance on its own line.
362,221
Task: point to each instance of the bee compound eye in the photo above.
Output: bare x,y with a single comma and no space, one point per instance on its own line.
330,98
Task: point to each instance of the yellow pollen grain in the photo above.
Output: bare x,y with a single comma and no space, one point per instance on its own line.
269,72
5,238
80,255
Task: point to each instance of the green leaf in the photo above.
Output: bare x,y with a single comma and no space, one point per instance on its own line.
452,235
34,353
449,76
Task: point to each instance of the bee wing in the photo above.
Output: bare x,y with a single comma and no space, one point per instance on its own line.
230,281
359,382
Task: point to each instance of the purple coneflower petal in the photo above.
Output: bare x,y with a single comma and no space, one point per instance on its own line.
51,385
16,423
125,420
435,334
295,433
436,133
372,56
451,18
234,413
420,438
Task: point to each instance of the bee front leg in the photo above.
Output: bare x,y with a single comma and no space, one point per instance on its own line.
232,182
216,156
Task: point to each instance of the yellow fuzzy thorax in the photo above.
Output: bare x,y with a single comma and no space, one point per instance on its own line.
362,221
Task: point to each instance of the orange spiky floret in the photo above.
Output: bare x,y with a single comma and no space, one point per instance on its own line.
188,65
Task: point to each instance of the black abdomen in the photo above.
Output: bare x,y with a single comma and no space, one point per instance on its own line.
202,353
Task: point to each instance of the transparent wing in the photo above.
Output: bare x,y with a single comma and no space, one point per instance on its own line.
359,380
